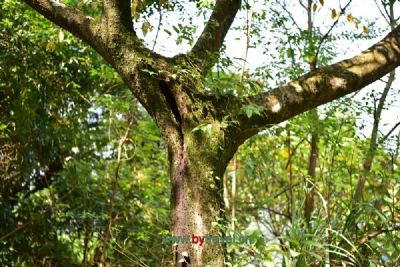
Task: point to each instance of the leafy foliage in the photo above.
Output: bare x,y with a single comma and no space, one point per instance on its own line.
63,112
83,169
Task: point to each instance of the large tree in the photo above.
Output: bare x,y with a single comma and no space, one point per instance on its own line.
173,92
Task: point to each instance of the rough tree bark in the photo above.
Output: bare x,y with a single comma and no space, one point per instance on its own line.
173,92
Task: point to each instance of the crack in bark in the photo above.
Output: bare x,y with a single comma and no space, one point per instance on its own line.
164,87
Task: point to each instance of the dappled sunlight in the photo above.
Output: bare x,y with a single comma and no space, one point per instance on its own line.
274,104
337,83
297,87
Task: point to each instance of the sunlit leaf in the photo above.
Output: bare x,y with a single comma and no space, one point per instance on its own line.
146,27
333,13
350,18
134,7
61,36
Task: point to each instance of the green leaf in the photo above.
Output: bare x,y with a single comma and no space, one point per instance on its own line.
293,253
290,52
250,110
206,128
168,32
146,27
175,29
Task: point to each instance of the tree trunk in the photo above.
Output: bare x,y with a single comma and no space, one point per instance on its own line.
311,179
200,146
377,117
357,198
312,161
196,203
233,195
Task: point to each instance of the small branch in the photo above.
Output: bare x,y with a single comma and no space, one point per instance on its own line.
213,35
293,152
256,208
301,3
158,27
111,200
389,133
384,8
366,238
248,30
283,6
284,190
380,11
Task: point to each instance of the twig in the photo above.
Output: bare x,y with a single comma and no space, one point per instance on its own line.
284,190
390,132
114,184
380,11
301,3
158,27
248,28
367,237
331,28
283,5
384,8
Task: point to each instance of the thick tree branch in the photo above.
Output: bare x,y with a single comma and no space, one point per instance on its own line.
212,38
117,16
114,39
69,18
322,85
112,36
